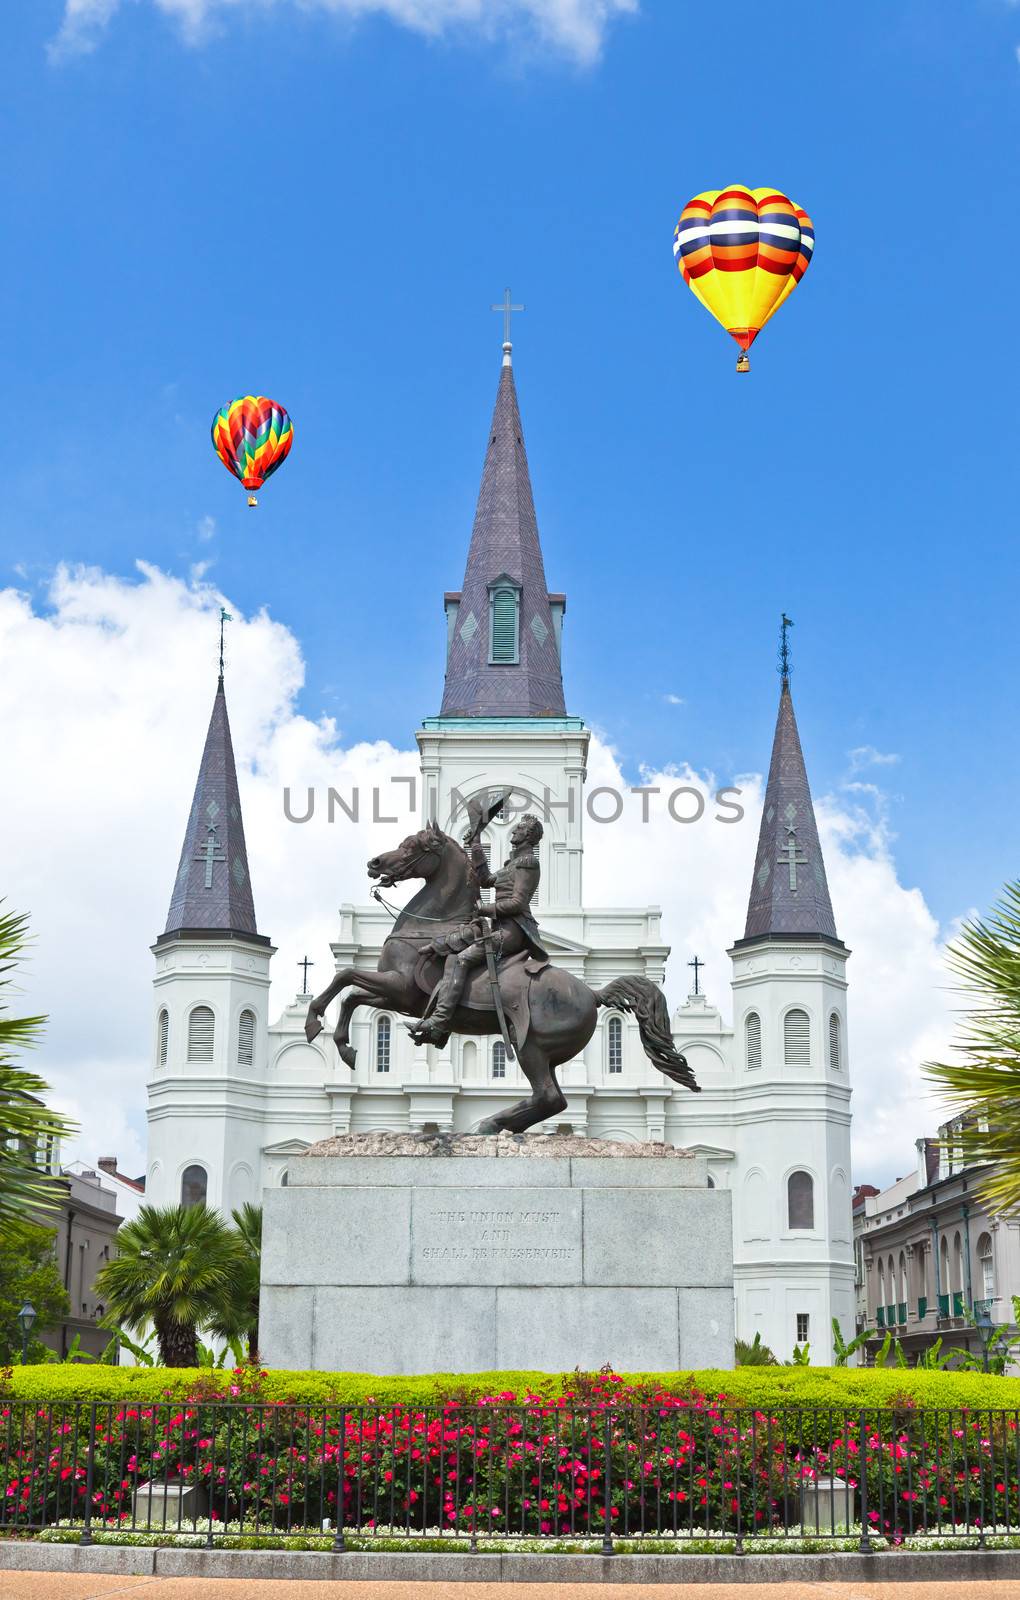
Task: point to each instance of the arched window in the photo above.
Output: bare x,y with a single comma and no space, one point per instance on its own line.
984,1250
800,1191
945,1287
614,1044
284,1178
957,1264
201,1034
881,1284
383,1040
835,1056
892,1281
163,1037
797,1039
903,1277
752,1040
194,1186
499,1059
504,624
246,1039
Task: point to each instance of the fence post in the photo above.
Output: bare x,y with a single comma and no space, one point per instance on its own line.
607,1452
90,1477
338,1537
865,1546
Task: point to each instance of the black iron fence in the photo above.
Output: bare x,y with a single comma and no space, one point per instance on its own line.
673,1468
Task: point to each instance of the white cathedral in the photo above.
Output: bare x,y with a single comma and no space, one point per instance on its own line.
234,1097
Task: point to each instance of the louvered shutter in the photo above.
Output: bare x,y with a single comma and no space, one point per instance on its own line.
164,1036
797,1039
504,625
201,1034
834,1060
246,1039
752,1040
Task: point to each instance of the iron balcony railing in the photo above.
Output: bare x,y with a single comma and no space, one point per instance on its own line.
671,1467
982,1306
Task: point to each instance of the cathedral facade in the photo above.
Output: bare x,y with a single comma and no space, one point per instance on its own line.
234,1096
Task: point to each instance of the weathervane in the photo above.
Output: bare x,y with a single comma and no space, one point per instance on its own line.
784,648
507,307
225,617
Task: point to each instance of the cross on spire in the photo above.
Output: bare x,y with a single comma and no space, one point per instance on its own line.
208,854
304,965
792,858
507,307
697,965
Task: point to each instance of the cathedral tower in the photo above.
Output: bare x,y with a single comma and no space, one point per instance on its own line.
503,721
792,1234
211,997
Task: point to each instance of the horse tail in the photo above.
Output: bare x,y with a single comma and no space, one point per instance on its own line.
646,1001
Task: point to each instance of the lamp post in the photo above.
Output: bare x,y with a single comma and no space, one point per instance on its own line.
985,1327
26,1322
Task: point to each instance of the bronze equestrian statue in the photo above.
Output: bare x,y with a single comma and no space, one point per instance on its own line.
435,966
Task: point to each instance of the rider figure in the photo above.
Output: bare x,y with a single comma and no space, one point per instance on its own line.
514,928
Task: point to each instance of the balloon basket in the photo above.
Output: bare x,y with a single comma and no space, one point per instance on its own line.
253,500
743,364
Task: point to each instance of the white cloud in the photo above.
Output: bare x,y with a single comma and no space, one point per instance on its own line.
673,699
575,28
206,528
865,755
106,747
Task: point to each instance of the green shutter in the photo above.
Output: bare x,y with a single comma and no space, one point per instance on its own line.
504,625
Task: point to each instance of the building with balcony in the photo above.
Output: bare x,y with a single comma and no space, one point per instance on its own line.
935,1255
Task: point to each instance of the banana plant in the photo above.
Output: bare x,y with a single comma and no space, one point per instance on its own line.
842,1351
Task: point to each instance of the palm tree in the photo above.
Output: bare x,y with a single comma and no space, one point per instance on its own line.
177,1267
28,1128
985,1084
239,1315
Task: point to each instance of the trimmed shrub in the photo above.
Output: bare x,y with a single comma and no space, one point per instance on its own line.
839,1387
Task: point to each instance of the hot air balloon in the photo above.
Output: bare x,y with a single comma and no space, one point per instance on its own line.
252,437
743,252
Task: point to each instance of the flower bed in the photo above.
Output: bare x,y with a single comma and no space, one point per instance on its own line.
608,1458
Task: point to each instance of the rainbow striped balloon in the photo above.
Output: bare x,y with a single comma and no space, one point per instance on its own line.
252,437
743,252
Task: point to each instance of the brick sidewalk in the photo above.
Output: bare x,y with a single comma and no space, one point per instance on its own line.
86,1586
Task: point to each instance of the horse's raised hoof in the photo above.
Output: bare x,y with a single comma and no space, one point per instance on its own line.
313,1027
490,1125
348,1055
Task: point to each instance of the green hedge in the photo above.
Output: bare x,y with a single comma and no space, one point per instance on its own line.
766,1387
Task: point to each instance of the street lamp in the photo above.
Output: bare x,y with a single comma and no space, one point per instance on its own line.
985,1327
26,1322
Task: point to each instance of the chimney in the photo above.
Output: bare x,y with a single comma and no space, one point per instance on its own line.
108,1164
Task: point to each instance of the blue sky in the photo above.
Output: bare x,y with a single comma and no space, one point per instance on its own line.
323,211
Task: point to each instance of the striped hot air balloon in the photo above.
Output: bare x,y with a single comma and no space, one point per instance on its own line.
743,252
252,437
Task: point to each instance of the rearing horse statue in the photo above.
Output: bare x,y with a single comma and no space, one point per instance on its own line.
550,1013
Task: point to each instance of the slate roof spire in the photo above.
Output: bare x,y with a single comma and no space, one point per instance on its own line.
505,557
789,892
212,893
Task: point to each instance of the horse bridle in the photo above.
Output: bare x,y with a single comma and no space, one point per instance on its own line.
395,911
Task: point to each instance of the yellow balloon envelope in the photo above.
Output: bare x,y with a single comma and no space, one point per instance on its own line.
743,252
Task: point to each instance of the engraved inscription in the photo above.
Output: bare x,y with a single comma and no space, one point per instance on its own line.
494,1235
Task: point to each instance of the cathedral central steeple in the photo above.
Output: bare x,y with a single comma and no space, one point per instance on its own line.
503,644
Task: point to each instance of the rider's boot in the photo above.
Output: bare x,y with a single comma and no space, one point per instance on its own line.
437,1026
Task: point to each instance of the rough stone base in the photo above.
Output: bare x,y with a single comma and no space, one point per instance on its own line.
487,1255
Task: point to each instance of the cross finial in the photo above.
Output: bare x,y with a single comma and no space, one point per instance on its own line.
304,965
697,965
784,649
507,307
225,617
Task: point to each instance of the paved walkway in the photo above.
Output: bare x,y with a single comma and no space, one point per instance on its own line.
73,1586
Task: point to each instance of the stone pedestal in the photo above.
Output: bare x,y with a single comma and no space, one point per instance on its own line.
477,1255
